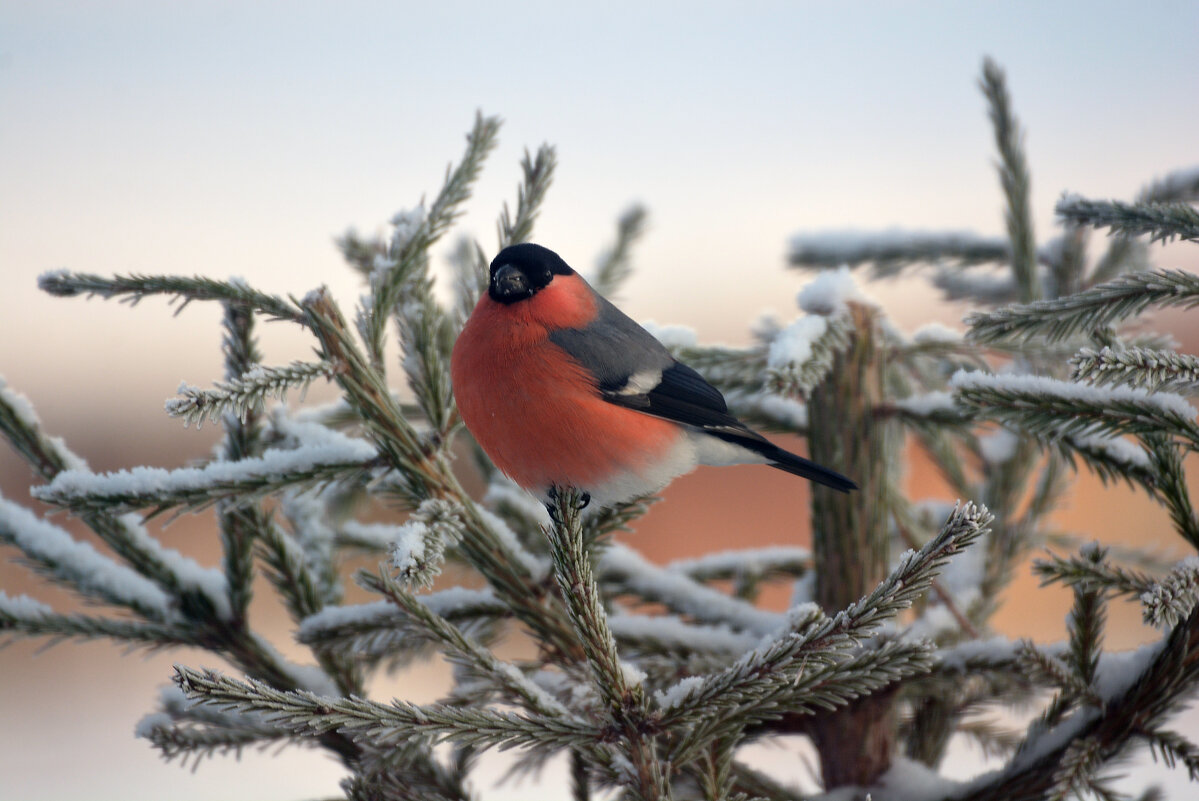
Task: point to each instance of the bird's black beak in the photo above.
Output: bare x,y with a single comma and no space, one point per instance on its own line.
508,285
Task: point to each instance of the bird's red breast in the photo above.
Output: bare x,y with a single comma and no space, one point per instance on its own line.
536,411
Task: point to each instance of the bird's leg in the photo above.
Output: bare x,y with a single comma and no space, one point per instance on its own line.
552,506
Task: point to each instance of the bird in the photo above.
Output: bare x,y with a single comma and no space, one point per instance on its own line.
562,389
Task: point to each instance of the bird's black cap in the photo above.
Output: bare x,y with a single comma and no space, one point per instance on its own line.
520,271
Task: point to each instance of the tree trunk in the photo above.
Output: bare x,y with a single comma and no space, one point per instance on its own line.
850,536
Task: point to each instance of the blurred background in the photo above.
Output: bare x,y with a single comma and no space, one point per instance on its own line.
224,139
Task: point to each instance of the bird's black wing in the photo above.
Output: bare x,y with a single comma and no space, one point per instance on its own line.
634,370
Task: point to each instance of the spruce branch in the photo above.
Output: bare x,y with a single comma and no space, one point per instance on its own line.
1079,763
1173,598
803,354
47,456
191,741
52,552
381,630
470,262
615,264
891,250
422,472
376,724
759,675
624,570
1161,221
426,338
623,696
1136,367
1013,176
1173,749
1086,621
195,590
133,288
22,616
240,523
406,260
537,173
1180,185
461,647
288,570
194,488
748,565
1079,570
1093,308
1050,408
367,392
247,393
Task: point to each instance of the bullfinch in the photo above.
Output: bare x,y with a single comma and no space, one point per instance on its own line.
561,388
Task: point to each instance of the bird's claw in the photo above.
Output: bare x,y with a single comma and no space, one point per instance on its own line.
552,506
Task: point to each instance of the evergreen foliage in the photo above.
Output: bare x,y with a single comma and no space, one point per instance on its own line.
649,678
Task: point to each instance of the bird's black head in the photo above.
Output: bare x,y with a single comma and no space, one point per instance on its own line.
521,271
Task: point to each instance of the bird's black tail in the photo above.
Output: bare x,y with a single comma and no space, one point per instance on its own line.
799,466
787,461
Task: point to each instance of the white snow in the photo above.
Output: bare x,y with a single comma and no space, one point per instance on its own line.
189,574
936,334
150,483
24,412
1116,448
786,411
673,632
927,404
909,780
678,692
998,447
22,607
408,552
749,560
376,613
672,336
80,563
682,593
1165,401
538,568
377,535
828,293
848,243
633,675
503,490
545,699
407,223
793,345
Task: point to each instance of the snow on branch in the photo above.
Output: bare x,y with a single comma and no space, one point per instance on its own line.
194,488
1133,366
614,265
812,647
780,560
406,259
1161,221
133,288
893,248
802,354
381,724
1180,185
629,572
248,392
24,616
1051,408
78,565
1085,311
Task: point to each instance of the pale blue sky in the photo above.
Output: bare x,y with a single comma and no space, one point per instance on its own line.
235,138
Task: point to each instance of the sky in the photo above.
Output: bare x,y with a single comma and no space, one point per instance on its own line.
225,139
